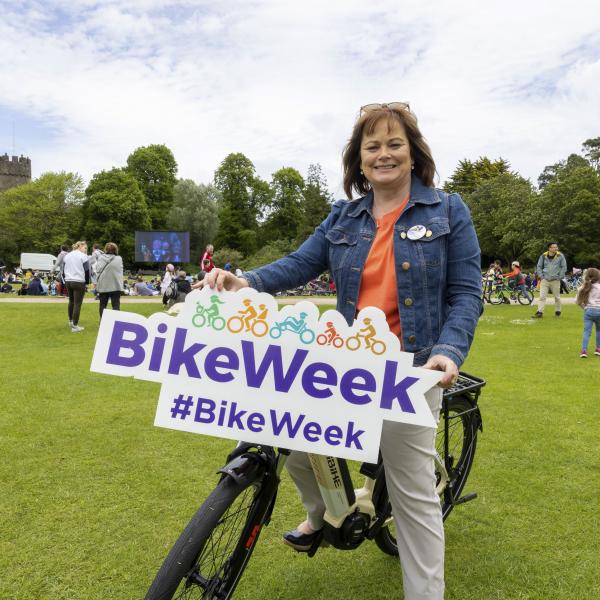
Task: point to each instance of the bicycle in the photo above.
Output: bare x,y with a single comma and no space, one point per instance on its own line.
377,347
201,318
497,295
208,559
306,335
259,327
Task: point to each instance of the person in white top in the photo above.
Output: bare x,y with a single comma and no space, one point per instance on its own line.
76,271
588,297
167,278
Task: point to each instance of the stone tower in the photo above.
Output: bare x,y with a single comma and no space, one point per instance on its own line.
14,171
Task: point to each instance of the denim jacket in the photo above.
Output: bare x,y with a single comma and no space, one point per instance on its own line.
438,276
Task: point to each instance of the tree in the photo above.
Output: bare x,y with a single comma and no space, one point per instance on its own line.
286,206
194,209
316,203
227,255
269,253
503,213
243,198
469,175
113,209
41,215
155,170
561,169
591,150
570,212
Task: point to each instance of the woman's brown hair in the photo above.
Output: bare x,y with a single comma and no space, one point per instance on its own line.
420,152
111,248
591,276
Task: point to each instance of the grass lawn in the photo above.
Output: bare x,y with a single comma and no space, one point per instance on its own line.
92,495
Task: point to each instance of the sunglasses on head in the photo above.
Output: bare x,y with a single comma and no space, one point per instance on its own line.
377,106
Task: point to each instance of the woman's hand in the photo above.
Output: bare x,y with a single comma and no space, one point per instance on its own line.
222,280
438,362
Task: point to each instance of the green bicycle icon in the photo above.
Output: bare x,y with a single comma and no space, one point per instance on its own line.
209,315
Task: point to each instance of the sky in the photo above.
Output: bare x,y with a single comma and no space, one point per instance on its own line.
84,83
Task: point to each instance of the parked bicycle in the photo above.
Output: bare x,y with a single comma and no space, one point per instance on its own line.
209,558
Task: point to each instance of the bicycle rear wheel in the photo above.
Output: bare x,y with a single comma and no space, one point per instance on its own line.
462,441
209,557
525,297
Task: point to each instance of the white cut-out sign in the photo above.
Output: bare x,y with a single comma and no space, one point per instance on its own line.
233,365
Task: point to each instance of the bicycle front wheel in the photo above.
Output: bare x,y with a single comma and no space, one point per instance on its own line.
209,557
496,297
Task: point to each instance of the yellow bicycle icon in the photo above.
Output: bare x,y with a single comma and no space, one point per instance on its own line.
366,335
250,319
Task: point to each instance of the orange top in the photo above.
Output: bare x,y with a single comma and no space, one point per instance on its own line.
378,284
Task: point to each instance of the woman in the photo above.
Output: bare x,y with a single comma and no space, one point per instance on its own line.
109,273
76,270
588,297
410,250
166,280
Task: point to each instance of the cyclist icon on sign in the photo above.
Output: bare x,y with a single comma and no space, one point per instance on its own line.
366,334
250,320
296,325
330,336
209,315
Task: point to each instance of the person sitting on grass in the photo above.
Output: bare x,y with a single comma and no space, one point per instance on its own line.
141,289
35,286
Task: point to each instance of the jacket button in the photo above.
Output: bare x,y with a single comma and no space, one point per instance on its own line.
408,302
403,235
405,266
412,339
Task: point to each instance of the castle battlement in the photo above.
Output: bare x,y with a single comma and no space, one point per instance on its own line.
14,170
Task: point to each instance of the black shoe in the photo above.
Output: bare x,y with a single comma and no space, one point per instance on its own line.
557,313
302,542
538,315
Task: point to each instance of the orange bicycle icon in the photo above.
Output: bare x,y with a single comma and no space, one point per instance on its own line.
366,334
330,337
255,322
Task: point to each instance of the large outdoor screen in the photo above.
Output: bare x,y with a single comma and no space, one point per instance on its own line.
162,246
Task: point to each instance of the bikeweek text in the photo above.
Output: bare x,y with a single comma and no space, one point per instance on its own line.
233,365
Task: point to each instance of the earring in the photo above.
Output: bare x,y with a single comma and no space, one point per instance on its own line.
412,166
361,172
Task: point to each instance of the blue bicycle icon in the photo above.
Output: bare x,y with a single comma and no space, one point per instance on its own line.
297,326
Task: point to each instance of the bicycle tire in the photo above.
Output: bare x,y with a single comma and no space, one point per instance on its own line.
307,336
525,297
462,443
183,574
496,297
220,321
235,324
260,328
199,320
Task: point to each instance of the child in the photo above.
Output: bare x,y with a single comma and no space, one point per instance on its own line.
588,297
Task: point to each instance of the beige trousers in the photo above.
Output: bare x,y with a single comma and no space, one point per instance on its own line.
546,286
408,452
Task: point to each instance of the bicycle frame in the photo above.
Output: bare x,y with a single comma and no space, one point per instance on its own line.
351,515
